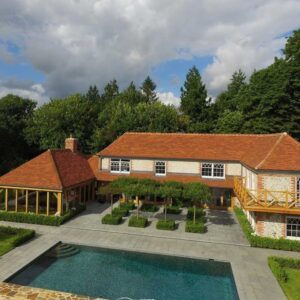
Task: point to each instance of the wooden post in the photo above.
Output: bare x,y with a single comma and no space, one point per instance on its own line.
84,194
80,195
48,202
222,200
16,201
36,202
6,199
59,204
89,192
93,191
26,201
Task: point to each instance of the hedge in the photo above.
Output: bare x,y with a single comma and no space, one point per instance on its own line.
21,235
165,225
140,222
128,205
32,218
198,227
174,210
264,242
112,219
277,270
200,213
149,208
120,211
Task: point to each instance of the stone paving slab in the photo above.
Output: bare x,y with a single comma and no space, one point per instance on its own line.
9,291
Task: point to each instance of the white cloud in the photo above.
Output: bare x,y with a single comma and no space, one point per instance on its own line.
76,43
169,98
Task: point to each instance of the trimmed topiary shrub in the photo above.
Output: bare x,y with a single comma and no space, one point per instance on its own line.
173,210
140,222
165,225
198,227
120,211
200,214
149,207
112,219
264,242
128,205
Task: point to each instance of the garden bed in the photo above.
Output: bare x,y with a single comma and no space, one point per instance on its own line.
197,227
12,237
140,222
112,219
165,225
287,273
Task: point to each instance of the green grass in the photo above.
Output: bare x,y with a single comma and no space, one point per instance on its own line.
13,237
287,273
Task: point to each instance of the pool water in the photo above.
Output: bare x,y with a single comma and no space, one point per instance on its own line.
113,274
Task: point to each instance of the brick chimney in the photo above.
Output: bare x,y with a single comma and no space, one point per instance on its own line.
71,143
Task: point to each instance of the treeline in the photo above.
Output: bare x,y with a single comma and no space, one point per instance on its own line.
268,102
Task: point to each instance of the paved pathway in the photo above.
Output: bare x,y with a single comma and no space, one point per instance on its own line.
253,277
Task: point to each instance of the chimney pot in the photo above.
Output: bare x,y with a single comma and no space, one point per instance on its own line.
71,143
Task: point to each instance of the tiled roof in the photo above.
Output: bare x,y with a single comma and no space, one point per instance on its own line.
227,183
259,151
53,169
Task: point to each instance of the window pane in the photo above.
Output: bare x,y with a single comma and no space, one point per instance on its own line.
207,169
218,170
115,165
125,165
298,188
293,227
160,167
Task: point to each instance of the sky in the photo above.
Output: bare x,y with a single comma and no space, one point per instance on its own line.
54,48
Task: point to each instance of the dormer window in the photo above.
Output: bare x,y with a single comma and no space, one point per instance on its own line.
213,170
118,165
160,168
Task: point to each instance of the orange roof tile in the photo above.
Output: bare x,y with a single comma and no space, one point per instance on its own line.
53,169
260,151
227,183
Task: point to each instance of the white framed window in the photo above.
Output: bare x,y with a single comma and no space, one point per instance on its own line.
298,188
213,170
120,165
160,168
293,227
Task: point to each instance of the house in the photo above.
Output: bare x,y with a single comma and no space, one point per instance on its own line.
259,172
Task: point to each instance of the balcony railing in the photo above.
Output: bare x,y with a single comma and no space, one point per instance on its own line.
266,200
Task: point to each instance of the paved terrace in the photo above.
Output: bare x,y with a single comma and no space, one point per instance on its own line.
253,277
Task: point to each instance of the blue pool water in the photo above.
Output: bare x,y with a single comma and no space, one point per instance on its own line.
113,274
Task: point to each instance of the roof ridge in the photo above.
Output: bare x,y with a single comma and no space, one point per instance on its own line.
282,135
205,134
55,167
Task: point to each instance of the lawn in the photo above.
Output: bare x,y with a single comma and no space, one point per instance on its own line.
287,273
13,237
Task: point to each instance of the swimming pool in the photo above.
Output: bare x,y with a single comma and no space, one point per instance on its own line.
113,274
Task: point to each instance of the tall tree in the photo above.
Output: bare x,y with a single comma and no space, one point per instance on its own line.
15,112
194,96
93,94
111,90
148,88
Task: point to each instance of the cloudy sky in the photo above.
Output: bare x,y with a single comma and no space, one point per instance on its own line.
53,48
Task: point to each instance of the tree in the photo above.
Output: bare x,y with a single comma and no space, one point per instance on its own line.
111,90
198,193
148,88
93,94
15,113
230,122
194,96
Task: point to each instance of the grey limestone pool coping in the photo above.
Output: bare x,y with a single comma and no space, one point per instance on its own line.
253,278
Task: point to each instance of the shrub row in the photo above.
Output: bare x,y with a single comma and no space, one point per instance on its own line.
112,219
264,242
140,222
165,225
120,211
174,210
21,235
200,214
128,205
198,227
277,270
32,218
149,207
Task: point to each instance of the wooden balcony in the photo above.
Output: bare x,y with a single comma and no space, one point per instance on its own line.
266,200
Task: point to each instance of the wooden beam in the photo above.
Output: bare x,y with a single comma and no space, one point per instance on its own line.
28,188
26,201
59,203
16,201
48,203
6,199
37,202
